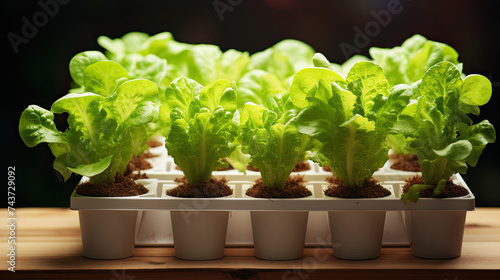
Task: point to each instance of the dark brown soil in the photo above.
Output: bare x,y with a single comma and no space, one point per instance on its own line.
333,180
451,189
369,189
138,175
135,164
405,162
294,188
138,163
122,186
300,166
213,188
153,143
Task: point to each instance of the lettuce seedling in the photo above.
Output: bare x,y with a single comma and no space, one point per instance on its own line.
199,125
407,64
349,119
93,72
270,135
97,142
444,138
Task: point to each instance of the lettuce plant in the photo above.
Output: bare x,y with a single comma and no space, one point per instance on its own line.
93,72
97,142
270,135
199,125
406,64
349,119
444,138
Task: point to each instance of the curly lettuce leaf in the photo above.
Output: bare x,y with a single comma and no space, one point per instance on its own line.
97,142
81,61
444,138
104,77
283,59
348,119
134,42
257,86
407,63
272,140
202,128
149,67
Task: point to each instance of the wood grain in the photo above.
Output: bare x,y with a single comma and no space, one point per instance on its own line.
49,247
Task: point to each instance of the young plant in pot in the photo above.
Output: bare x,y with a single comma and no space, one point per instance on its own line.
349,120
446,142
92,71
270,72
406,64
270,136
256,87
97,144
199,126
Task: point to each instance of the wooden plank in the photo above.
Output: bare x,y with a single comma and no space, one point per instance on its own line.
68,256
49,246
483,225
196,274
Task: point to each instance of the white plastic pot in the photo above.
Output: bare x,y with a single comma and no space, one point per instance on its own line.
107,234
199,235
279,235
356,235
435,234
110,234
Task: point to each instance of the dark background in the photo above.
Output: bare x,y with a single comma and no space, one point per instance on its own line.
38,72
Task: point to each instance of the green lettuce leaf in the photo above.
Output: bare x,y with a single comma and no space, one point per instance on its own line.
407,63
202,128
283,59
443,136
271,138
349,119
98,140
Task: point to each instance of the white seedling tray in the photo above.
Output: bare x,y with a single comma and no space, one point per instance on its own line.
159,183
154,228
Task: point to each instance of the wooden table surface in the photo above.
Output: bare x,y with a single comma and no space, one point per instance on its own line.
48,246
